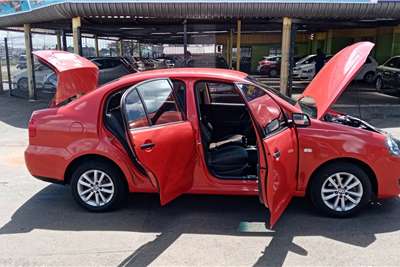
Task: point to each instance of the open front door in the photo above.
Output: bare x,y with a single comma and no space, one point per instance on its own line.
278,154
162,140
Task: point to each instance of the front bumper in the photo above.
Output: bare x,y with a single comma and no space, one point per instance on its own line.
388,176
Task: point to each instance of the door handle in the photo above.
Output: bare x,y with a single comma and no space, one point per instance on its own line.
147,145
277,154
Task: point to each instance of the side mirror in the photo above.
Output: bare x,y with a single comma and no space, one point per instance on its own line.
301,120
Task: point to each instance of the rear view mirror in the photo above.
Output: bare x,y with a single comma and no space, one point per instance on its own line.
301,120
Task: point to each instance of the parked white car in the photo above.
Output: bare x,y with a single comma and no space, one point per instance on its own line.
368,71
21,78
305,69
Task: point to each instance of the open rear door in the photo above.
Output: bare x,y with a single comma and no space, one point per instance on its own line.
278,154
162,140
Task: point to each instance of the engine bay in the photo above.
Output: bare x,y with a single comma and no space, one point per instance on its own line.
350,121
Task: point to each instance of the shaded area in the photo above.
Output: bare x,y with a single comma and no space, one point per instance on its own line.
197,214
16,112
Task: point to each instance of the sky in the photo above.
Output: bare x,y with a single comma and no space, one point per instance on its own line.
40,41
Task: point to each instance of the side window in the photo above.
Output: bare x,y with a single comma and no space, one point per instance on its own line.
180,93
391,63
265,110
223,93
135,113
397,63
159,102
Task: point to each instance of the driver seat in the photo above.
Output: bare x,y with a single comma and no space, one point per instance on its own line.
228,159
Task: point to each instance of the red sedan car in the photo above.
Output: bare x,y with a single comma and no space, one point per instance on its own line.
210,131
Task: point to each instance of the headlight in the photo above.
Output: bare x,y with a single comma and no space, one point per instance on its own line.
393,145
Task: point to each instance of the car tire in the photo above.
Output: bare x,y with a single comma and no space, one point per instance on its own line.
273,73
22,84
98,186
340,200
369,77
379,84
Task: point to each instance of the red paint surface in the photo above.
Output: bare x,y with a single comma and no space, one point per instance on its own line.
176,164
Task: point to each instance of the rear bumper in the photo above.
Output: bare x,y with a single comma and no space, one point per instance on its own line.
44,162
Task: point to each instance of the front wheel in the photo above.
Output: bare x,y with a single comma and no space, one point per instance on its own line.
22,84
340,190
98,186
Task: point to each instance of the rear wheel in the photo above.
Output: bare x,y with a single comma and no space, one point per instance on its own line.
379,84
369,77
98,186
340,190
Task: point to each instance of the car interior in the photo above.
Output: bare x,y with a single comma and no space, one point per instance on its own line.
227,131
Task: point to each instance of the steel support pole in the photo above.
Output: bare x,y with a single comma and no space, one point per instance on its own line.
230,48
29,61
64,41
8,66
238,41
120,48
1,77
58,46
285,50
293,32
329,37
76,35
96,45
185,42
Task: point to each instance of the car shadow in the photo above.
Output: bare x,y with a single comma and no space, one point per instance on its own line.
17,111
53,209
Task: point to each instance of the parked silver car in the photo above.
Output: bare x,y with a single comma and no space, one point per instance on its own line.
110,68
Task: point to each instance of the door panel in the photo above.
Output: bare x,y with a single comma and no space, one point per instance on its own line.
163,143
278,172
168,154
281,181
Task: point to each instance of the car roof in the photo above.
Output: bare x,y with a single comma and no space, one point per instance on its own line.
212,73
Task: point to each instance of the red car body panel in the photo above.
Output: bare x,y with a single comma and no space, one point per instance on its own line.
59,137
75,75
172,174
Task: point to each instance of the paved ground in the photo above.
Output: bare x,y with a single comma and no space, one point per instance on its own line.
41,225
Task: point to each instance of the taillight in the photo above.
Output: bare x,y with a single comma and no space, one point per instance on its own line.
32,127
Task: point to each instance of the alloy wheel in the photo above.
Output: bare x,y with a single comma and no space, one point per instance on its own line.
95,188
342,191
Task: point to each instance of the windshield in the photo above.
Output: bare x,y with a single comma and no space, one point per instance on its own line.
274,91
307,108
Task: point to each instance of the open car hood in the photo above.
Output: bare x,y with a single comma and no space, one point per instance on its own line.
75,75
336,75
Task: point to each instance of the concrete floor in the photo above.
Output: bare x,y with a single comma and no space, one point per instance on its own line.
41,225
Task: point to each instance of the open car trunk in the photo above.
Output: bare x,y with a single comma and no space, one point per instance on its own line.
76,75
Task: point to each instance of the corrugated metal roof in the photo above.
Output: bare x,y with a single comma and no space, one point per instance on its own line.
205,10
